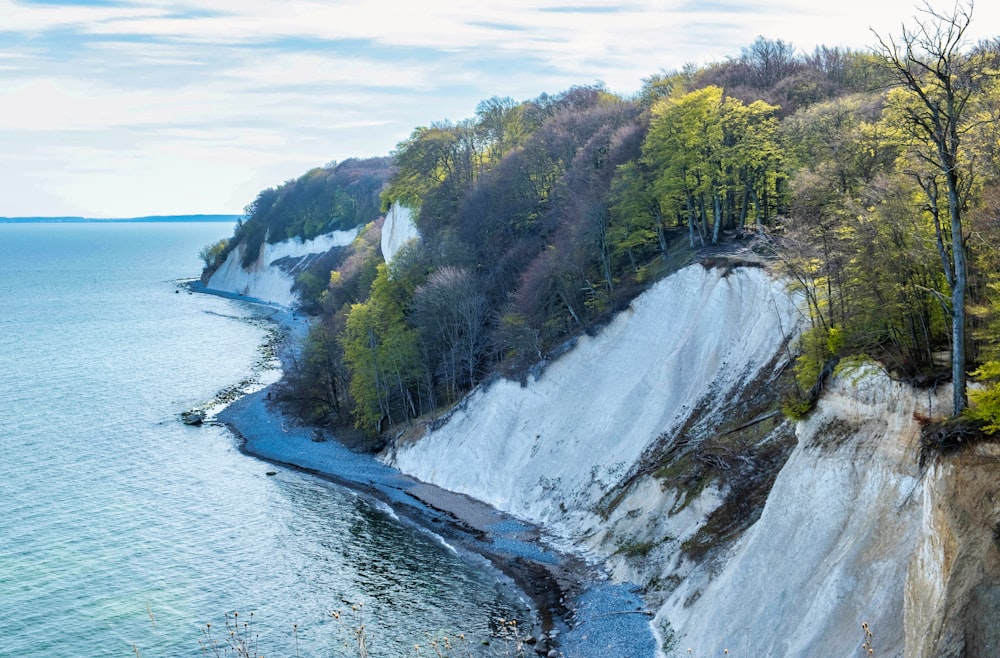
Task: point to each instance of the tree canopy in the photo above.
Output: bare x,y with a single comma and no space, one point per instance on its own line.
870,178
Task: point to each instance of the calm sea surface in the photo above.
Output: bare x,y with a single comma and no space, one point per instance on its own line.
120,526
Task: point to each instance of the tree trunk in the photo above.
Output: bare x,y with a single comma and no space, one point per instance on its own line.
928,61
691,220
958,377
717,212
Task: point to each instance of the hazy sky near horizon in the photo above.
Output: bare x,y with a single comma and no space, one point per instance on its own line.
123,108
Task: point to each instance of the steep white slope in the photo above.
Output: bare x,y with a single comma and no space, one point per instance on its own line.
397,230
834,543
853,531
550,450
268,279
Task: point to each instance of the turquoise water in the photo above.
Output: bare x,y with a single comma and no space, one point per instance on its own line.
121,527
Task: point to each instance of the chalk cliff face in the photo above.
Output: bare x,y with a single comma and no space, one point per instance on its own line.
836,539
397,230
271,276
838,524
552,450
852,530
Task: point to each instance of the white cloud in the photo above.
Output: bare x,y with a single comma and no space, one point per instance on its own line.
293,69
97,93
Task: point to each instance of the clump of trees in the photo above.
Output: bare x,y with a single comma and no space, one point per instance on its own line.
880,238
871,177
213,254
339,196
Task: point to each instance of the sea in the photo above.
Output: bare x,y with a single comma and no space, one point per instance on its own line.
124,532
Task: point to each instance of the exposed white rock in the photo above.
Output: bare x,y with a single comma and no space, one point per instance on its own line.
268,279
833,545
549,451
397,230
852,531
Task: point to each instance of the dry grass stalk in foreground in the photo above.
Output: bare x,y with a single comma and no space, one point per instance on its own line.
242,641
867,644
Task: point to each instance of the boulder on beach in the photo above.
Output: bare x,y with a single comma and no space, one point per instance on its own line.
193,417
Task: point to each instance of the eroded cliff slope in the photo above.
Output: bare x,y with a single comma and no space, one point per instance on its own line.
655,447
271,275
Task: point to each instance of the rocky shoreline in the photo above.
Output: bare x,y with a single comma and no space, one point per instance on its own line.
547,578
578,613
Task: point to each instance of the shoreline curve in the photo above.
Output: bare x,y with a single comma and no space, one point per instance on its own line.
573,603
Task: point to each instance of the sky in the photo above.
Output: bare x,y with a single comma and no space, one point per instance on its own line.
126,108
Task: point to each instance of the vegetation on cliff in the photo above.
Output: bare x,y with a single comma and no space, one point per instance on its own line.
871,178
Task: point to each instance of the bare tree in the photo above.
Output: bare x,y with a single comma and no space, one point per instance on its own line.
768,61
927,60
451,311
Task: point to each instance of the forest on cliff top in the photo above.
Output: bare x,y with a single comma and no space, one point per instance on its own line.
871,180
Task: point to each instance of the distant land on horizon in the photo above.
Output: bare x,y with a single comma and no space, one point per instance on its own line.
149,218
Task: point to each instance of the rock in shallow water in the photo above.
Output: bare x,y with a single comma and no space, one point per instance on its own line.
193,417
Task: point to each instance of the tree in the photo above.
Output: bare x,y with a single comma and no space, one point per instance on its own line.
750,157
316,386
928,63
500,128
381,352
685,137
768,61
435,168
450,313
210,254
637,226
712,157
844,138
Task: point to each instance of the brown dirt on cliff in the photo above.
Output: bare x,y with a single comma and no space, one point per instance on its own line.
971,519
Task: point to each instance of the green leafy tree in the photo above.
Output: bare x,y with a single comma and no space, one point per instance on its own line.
638,227
682,147
938,81
382,355
435,168
211,254
713,159
751,159
985,251
501,125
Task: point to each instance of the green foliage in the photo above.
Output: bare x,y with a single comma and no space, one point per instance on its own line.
381,351
985,406
818,348
424,162
714,161
814,348
211,254
637,229
635,549
860,242
310,287
541,218
351,282
339,197
795,407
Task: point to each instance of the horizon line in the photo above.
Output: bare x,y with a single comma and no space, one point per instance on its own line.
75,219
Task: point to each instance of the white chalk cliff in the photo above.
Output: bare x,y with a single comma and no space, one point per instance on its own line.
549,451
272,274
850,528
852,531
397,230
